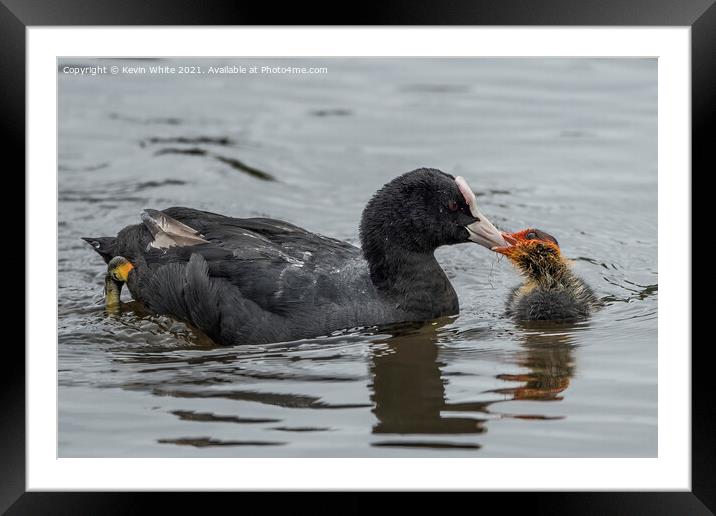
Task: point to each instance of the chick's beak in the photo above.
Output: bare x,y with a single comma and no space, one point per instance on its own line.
507,249
510,238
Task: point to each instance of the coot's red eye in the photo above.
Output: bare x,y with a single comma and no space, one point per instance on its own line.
452,205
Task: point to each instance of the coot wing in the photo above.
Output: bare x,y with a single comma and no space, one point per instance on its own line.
246,234
274,264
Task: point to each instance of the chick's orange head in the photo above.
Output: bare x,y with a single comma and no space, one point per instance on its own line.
526,242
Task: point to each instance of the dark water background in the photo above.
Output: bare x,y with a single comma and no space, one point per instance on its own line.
566,145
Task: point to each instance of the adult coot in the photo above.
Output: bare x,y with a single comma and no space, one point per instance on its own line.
259,280
551,291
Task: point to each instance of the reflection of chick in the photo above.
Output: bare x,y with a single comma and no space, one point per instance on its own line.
550,291
549,360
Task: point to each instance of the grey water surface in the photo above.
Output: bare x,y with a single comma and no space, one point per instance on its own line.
565,145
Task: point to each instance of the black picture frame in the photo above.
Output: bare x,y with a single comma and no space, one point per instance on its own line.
700,15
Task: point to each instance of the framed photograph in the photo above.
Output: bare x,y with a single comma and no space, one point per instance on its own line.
437,250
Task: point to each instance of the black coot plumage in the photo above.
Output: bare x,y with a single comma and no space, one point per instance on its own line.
551,291
260,280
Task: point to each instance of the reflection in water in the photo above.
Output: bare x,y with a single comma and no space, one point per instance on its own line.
549,357
408,388
190,415
203,442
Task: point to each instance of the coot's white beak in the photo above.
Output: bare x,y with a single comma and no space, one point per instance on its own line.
482,230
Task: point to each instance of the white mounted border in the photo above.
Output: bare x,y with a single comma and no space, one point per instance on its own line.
671,470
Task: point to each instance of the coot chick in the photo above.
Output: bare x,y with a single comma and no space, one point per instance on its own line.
551,291
259,280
